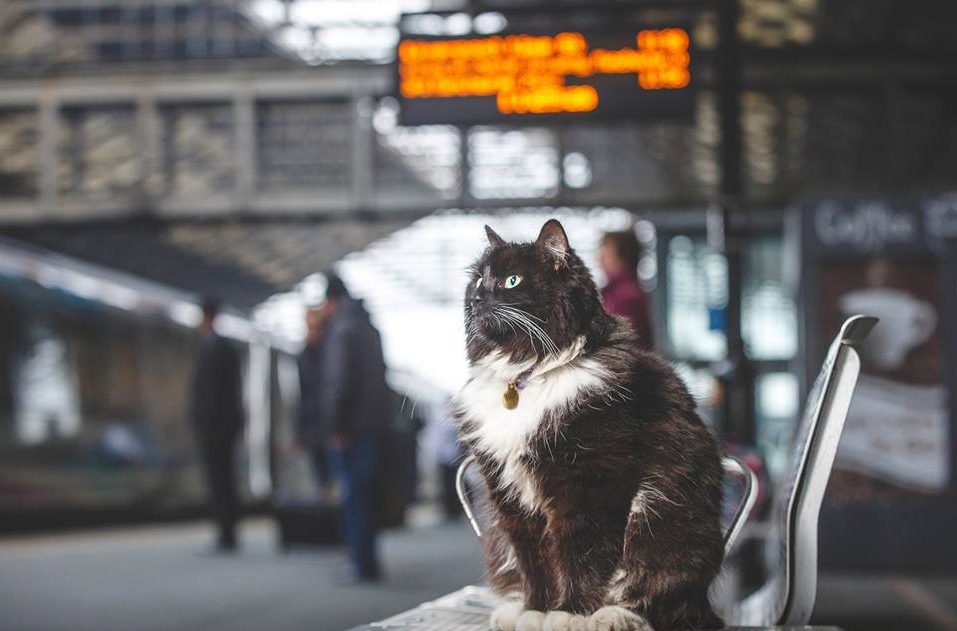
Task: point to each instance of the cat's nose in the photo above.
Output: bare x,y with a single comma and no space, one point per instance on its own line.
479,295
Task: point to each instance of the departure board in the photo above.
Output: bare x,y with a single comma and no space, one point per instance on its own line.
562,76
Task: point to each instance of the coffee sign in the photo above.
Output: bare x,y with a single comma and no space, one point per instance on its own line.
873,226
864,226
896,260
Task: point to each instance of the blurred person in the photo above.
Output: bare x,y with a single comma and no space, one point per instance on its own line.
312,433
217,417
450,456
622,294
355,410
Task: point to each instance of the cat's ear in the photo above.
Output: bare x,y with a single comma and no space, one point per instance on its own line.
493,238
553,240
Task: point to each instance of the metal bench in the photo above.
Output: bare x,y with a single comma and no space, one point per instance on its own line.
788,596
787,599
732,466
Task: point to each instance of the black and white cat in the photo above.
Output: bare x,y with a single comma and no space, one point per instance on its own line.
605,485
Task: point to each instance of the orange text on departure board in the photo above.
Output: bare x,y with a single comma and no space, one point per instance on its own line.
527,73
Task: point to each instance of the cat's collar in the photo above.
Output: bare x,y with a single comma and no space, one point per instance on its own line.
538,369
558,360
501,365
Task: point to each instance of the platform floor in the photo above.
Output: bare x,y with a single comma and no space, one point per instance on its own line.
153,578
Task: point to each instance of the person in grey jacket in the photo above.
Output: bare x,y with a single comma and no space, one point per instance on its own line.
355,407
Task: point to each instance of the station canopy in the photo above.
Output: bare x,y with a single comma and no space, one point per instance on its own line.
240,263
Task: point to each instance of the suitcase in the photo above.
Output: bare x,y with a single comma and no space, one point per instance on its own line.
396,478
303,517
306,524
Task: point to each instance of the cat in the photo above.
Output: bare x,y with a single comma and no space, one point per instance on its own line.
604,484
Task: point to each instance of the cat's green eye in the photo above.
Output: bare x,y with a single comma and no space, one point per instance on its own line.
512,281
478,282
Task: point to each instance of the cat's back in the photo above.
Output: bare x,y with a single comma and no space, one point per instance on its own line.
646,403
651,383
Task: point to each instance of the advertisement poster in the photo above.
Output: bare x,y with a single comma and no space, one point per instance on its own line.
893,489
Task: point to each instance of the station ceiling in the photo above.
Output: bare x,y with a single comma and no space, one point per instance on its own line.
241,263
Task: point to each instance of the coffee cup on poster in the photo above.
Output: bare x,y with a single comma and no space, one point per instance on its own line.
906,322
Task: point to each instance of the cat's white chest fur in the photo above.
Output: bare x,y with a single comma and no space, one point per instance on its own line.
503,433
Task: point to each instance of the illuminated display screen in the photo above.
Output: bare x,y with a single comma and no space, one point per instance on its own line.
570,75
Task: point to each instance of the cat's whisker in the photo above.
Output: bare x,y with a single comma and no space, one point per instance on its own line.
511,306
531,328
554,348
521,316
549,346
527,330
510,326
501,319
526,313
508,317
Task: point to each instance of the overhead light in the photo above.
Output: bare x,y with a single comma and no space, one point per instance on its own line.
488,23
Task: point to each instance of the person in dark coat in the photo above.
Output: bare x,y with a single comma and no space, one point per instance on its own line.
217,417
355,404
450,456
312,433
622,295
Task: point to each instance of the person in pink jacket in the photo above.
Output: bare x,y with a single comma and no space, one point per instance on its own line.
622,295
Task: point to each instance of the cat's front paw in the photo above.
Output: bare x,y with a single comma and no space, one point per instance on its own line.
506,615
615,618
530,620
564,621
